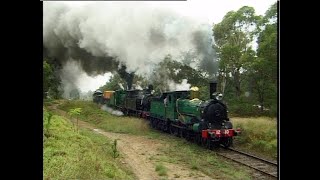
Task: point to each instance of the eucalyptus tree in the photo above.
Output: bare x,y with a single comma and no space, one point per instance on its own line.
233,38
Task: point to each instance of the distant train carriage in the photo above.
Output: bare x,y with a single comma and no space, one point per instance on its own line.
106,96
133,100
97,97
102,97
138,100
117,99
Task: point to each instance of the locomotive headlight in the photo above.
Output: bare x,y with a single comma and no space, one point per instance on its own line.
219,97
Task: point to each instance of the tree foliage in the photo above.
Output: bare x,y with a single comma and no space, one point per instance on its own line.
245,75
233,37
51,81
267,41
171,71
264,68
47,76
114,83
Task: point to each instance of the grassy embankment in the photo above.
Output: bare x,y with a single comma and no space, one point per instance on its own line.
68,154
259,134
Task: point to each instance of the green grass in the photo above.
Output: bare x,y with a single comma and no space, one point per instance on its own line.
258,134
180,151
48,102
175,151
162,170
93,114
84,155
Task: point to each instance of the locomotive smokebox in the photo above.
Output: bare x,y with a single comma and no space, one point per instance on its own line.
213,88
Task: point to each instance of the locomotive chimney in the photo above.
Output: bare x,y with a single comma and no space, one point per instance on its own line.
150,87
213,88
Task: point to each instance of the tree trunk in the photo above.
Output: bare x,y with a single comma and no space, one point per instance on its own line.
222,81
236,77
260,89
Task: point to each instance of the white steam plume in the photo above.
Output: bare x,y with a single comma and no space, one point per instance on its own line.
184,85
111,111
73,77
121,86
132,33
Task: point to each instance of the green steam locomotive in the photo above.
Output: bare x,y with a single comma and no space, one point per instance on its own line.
180,113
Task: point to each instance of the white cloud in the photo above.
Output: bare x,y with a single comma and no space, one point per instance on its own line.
213,10
87,83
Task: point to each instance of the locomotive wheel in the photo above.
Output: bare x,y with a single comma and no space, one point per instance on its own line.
165,128
171,128
227,142
126,112
176,132
198,139
203,142
181,133
187,136
159,125
215,145
212,145
209,144
151,122
154,123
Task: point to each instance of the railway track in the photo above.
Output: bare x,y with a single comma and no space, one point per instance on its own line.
263,166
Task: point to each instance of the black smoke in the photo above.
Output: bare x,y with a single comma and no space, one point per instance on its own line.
128,77
103,35
203,44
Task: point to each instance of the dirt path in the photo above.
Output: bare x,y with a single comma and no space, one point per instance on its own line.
139,153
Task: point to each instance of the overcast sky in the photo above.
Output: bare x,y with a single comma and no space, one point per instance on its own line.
211,11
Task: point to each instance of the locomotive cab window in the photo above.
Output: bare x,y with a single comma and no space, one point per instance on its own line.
170,99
